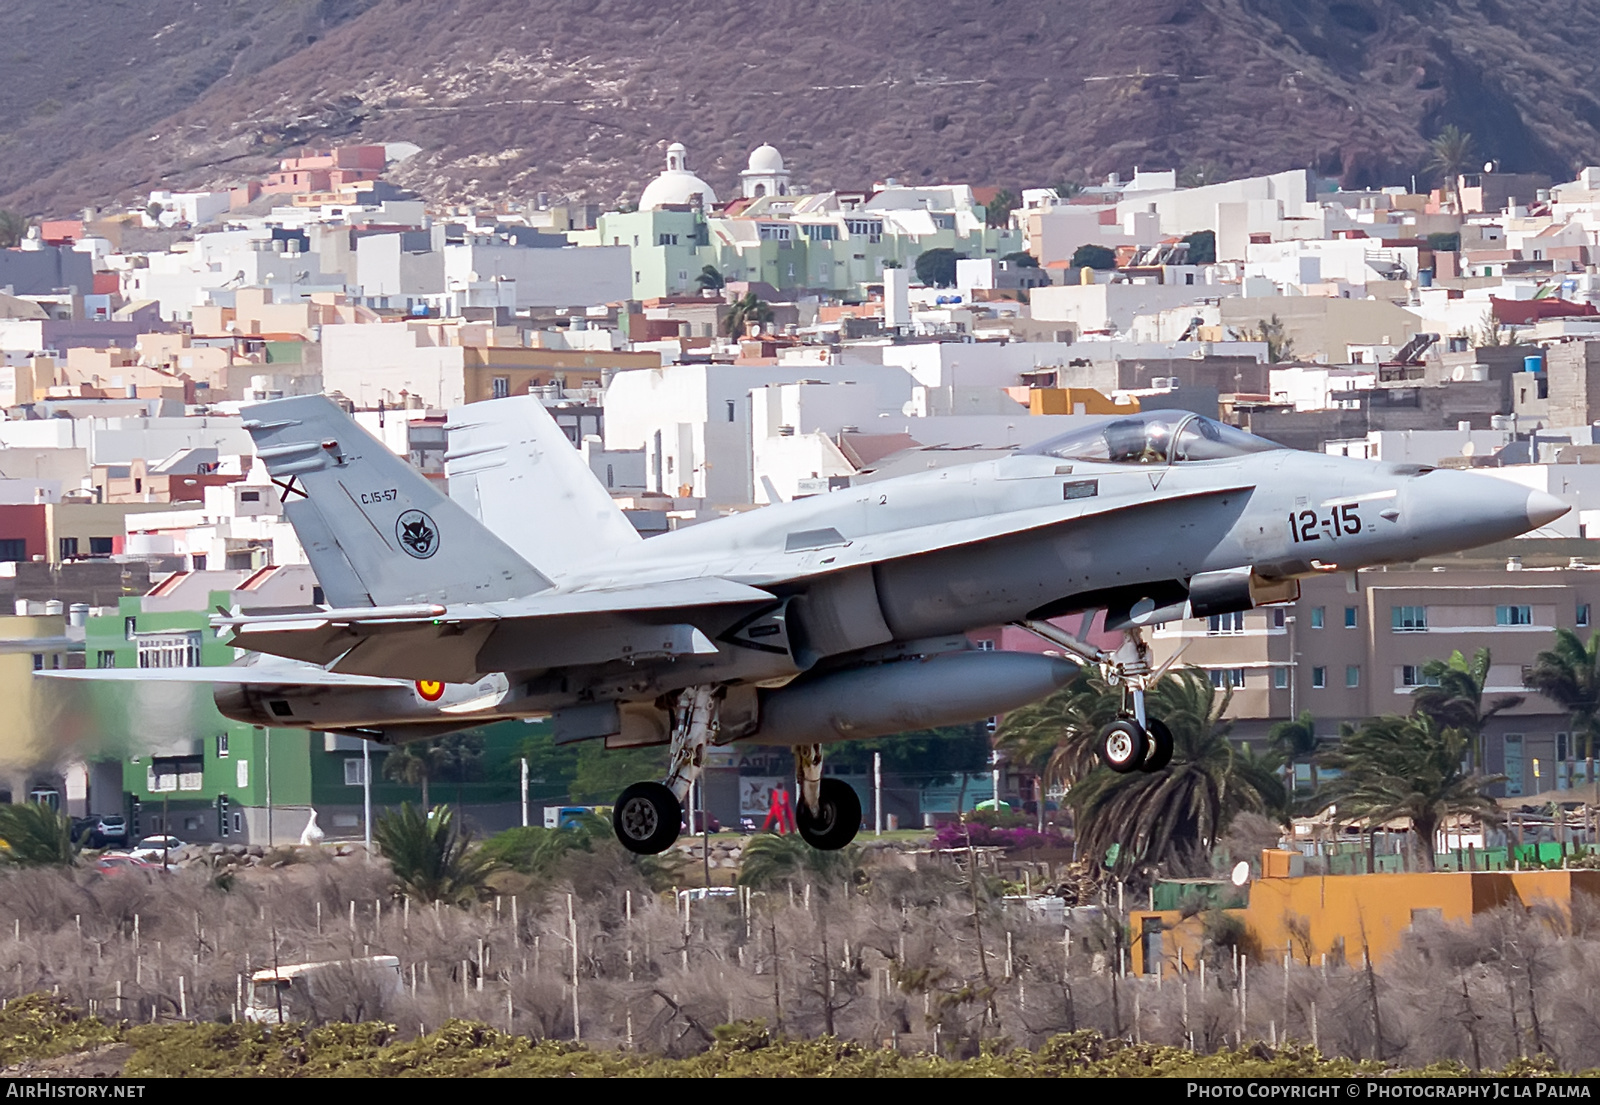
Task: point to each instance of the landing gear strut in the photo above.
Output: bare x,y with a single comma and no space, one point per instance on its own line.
829,813
648,816
1135,741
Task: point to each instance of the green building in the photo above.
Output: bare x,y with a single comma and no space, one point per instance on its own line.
187,770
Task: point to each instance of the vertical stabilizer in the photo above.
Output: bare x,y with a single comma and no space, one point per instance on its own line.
374,528
513,468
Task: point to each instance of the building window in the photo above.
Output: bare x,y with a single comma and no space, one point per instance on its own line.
169,650
666,239
1319,678
1352,675
1513,615
1563,748
238,822
105,658
1350,617
1513,765
1411,675
169,773
986,646
730,419
13,548
68,547
222,745
1583,613
130,626
101,546
1408,619
1277,618
1227,677
38,661
1225,625
1280,678
1317,614
354,776
501,387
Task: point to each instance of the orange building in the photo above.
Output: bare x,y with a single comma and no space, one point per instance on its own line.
1342,916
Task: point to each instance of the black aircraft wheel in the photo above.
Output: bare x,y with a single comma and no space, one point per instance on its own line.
1160,752
837,820
1123,745
647,818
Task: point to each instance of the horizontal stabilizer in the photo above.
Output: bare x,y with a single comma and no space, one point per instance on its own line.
446,645
251,675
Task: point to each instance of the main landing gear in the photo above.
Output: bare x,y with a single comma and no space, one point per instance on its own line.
1134,741
648,816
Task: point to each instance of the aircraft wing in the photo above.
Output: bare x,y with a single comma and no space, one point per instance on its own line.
443,642
254,675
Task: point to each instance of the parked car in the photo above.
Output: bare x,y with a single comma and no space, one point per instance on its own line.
109,830
122,864
155,847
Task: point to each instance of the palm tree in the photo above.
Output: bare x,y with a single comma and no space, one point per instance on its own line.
772,860
13,228
743,312
1452,156
710,280
458,757
1406,767
1280,346
1058,736
431,856
34,835
1174,816
1569,676
412,764
997,215
1296,740
1452,695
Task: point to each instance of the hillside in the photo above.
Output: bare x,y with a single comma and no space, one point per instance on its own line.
105,101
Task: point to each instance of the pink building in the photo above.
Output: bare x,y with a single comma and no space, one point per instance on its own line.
325,170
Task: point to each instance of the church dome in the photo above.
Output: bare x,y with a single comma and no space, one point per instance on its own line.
765,159
676,184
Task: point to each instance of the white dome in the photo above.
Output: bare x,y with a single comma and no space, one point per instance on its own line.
765,159
676,184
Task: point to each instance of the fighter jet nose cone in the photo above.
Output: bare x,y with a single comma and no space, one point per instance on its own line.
1543,509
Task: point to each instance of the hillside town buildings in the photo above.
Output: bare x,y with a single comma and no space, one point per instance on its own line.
769,332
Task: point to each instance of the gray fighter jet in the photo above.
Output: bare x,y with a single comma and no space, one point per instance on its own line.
526,593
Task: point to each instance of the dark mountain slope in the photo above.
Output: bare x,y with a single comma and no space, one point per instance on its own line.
508,97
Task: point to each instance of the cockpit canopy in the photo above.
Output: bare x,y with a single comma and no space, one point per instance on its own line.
1152,437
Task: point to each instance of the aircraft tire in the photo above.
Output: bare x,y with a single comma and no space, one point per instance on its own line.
1123,746
1159,754
647,818
838,819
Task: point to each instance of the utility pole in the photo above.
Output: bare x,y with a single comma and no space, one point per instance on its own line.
267,757
366,795
877,792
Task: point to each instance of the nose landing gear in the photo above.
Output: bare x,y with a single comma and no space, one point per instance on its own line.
1134,742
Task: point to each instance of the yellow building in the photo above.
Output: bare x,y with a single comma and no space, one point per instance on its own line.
1075,401
496,371
1342,916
